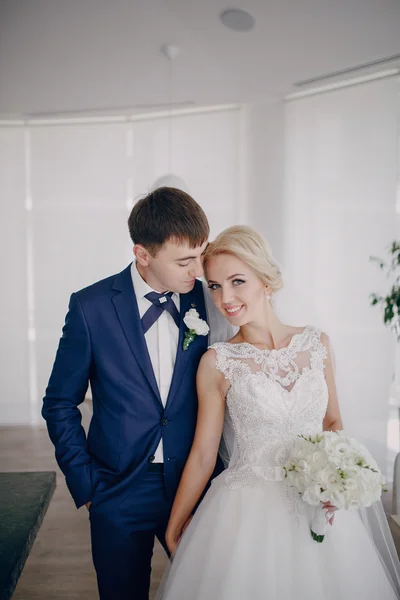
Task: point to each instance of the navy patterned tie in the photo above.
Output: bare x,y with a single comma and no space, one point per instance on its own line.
160,302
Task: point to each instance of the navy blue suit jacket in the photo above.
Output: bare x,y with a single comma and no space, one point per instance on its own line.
103,342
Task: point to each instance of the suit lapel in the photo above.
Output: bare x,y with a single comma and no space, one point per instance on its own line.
128,314
193,299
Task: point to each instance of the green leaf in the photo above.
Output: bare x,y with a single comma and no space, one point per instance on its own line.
188,339
317,538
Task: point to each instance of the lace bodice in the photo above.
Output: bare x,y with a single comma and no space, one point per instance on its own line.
274,395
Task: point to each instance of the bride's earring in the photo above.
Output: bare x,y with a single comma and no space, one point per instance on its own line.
267,295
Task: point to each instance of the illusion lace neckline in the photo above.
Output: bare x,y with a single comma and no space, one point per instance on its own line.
293,339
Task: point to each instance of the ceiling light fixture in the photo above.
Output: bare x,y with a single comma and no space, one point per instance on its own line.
169,179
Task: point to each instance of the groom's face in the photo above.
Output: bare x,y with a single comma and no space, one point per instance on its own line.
175,267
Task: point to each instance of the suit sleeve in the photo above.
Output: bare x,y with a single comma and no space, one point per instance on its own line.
66,390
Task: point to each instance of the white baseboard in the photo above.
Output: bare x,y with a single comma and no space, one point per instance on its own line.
12,413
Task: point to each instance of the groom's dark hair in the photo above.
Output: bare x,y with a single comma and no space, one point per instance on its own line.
167,213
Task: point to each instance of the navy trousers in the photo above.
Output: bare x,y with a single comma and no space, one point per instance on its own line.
123,532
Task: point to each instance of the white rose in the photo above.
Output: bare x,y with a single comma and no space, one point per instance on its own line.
370,482
337,499
192,313
301,483
337,448
352,485
302,465
202,328
330,478
318,460
193,321
312,495
301,450
298,480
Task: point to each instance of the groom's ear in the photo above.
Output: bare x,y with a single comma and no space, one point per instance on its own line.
141,254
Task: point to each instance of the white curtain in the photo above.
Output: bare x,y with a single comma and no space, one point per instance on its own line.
14,348
67,192
341,170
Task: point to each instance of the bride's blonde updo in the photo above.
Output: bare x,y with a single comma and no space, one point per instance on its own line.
248,245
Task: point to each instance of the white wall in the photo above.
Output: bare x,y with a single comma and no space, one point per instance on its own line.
264,156
67,190
341,172
14,349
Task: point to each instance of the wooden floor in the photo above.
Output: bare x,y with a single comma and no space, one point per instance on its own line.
60,564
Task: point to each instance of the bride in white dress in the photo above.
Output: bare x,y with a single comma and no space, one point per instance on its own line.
250,538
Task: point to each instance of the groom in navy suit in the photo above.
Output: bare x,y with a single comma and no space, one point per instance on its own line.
125,336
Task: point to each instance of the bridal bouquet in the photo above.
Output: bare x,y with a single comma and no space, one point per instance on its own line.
335,468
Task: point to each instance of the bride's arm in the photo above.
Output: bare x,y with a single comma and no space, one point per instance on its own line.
203,454
333,419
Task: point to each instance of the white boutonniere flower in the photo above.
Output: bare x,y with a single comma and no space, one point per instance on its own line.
195,325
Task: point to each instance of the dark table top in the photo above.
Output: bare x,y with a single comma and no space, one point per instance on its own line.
24,498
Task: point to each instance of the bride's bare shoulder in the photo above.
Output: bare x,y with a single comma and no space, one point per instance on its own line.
210,372
209,359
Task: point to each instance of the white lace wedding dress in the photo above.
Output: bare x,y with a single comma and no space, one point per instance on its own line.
250,538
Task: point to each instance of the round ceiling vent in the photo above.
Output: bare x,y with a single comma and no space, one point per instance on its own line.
238,20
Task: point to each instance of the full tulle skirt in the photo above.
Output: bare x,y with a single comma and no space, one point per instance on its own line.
246,543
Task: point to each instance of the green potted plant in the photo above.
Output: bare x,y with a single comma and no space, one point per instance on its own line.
390,305
391,302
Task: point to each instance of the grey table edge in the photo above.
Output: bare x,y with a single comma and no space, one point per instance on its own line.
24,499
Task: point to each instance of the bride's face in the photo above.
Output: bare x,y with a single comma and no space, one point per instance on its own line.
236,290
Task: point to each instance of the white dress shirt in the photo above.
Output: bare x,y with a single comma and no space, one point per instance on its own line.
162,342
163,336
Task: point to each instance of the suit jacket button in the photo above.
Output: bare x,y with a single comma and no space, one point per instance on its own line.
164,422
152,458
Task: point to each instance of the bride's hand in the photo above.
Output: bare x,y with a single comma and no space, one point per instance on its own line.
173,536
331,509
186,524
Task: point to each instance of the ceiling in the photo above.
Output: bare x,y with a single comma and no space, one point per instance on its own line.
58,56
